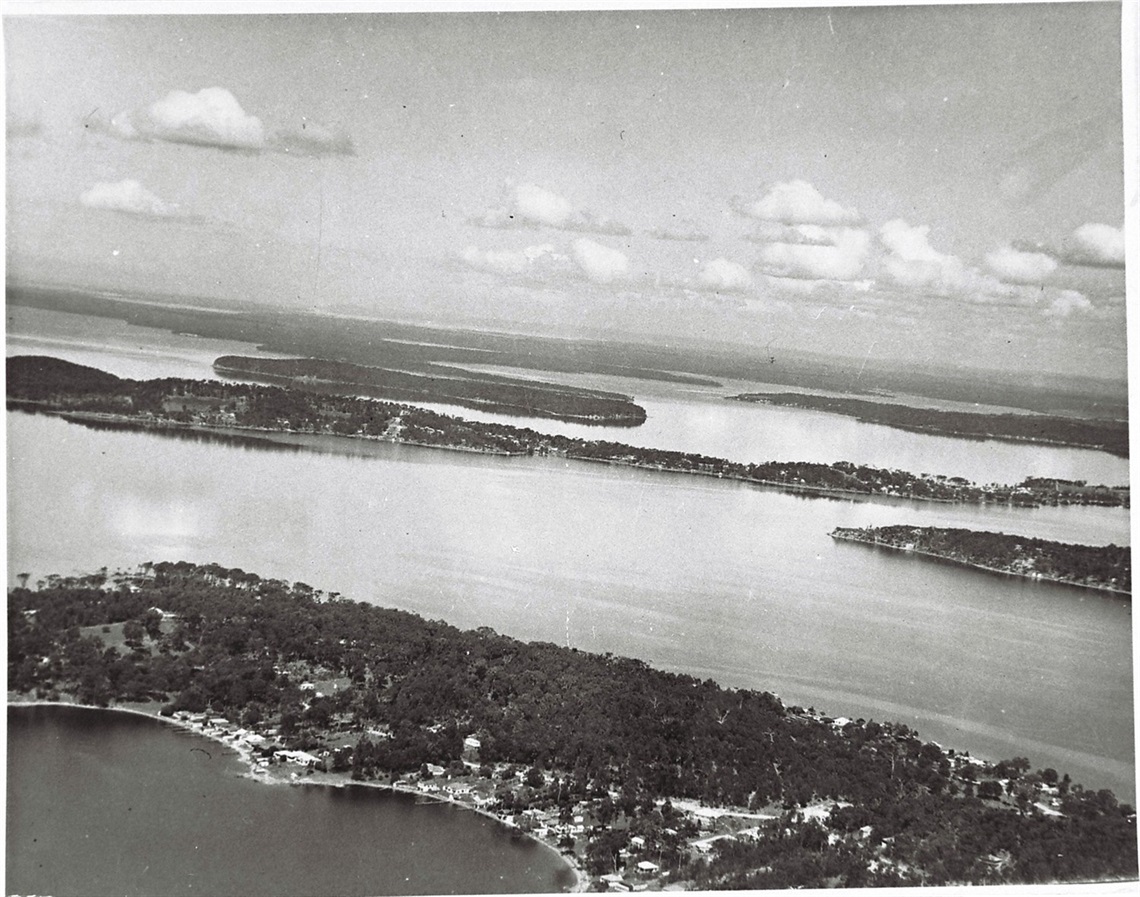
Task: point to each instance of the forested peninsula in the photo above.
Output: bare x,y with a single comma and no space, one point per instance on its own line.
457,386
643,777
1107,567
41,383
1103,435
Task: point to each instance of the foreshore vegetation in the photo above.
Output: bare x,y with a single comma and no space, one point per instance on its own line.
645,777
41,383
1107,567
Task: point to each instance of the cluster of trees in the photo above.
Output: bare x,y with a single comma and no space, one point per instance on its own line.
52,383
1095,566
587,727
1107,435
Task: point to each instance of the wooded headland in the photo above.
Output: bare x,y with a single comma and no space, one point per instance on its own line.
1106,567
646,777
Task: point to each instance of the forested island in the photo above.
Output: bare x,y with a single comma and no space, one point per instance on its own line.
642,777
1107,567
84,394
457,386
1103,435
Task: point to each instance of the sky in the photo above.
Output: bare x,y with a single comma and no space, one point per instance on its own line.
932,184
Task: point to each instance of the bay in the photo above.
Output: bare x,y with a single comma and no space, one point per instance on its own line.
709,577
101,802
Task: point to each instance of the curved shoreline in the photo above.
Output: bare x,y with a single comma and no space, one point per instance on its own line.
328,779
1032,577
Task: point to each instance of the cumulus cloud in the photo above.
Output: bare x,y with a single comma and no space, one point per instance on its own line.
213,117
912,263
798,202
533,260
529,205
1066,303
599,263
1015,266
842,257
127,196
1096,246
210,117
724,276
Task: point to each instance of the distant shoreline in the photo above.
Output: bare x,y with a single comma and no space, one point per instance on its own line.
885,414
327,779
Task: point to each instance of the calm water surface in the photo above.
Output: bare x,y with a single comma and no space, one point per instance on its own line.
688,573
110,803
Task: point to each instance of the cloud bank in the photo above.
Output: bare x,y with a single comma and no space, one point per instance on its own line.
129,197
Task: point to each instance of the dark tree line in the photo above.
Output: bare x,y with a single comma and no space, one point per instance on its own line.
585,727
1103,566
41,382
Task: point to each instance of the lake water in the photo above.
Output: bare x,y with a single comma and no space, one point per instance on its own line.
111,803
706,576
679,417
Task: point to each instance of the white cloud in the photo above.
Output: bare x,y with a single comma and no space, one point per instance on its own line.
599,263
843,258
1066,302
127,196
529,205
533,260
1097,245
1015,266
210,117
724,276
798,202
912,263
213,117
541,206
